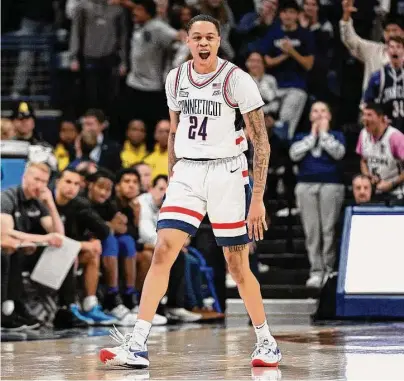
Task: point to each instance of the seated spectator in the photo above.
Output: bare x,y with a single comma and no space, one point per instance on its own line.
145,173
254,25
385,84
86,226
106,153
64,150
372,54
222,12
23,118
361,189
27,208
117,243
150,204
319,191
381,148
127,188
289,55
158,159
7,129
323,41
84,145
134,149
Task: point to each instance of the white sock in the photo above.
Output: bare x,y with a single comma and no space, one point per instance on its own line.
89,302
262,332
7,307
141,332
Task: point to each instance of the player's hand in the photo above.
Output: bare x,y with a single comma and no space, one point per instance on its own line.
121,218
256,222
374,179
9,244
75,65
348,7
46,196
314,128
303,20
384,186
286,45
93,246
122,70
54,239
323,125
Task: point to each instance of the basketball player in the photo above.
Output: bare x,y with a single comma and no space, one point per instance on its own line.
382,150
208,174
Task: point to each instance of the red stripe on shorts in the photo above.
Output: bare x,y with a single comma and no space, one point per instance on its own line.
245,173
239,140
178,209
228,225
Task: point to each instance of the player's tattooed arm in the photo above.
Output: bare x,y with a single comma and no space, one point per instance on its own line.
172,159
258,134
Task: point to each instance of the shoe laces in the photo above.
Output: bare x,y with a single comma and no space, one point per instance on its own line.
264,346
121,339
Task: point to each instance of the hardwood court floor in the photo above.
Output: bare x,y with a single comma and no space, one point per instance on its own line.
334,352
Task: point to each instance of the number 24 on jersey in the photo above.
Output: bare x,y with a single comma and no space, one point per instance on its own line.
196,129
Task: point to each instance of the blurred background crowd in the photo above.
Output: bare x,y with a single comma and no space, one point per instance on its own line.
83,95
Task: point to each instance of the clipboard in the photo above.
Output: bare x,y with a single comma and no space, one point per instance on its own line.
55,263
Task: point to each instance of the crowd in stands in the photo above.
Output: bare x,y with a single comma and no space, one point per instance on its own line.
104,180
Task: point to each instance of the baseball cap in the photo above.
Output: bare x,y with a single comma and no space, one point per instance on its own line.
22,110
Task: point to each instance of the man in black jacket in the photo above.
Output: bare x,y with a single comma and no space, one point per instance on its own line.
106,153
83,224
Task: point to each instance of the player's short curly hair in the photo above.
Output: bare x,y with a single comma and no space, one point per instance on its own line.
204,18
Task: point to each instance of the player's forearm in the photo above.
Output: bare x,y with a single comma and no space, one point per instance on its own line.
398,180
57,223
305,61
172,159
365,168
262,150
272,62
26,236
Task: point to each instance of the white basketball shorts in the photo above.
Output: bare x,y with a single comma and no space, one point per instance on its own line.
218,187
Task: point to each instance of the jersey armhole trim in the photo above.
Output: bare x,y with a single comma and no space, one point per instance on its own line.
226,80
177,80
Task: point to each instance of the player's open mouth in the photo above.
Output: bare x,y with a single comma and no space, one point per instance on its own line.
204,55
394,56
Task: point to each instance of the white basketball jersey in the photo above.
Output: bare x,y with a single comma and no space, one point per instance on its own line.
379,157
207,109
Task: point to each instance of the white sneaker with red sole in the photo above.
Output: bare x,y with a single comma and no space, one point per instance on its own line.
126,355
267,354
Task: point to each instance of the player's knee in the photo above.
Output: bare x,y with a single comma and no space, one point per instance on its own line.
236,269
162,253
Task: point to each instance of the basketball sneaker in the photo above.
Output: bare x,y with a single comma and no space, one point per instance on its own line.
123,315
266,353
128,354
98,316
157,319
